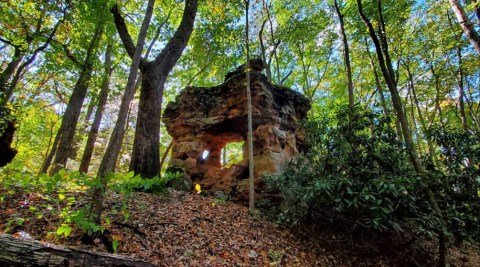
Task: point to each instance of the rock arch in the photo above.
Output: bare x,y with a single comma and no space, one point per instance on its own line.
207,118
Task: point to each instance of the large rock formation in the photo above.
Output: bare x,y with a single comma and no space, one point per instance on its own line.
207,118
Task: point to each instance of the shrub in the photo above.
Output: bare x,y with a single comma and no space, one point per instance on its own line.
457,179
358,169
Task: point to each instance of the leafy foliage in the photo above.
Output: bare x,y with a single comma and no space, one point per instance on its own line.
61,192
357,169
458,180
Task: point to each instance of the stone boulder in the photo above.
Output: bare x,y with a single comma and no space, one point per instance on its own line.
203,120
7,153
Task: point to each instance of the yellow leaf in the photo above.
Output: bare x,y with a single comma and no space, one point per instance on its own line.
61,196
198,188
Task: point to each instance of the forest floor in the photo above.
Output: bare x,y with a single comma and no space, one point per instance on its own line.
184,229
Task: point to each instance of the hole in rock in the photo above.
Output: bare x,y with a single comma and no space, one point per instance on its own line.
205,154
232,154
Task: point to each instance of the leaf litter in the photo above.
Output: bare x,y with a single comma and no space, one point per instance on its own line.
183,229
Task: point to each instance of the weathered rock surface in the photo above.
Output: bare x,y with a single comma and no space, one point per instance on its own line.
7,153
207,118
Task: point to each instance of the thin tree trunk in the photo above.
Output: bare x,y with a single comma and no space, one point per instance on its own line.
251,179
467,26
109,160
379,87
264,51
165,154
438,109
7,73
382,96
346,57
49,154
102,101
416,132
416,103
74,106
273,53
90,108
461,94
388,73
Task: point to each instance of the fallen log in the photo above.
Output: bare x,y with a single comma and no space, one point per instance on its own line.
25,252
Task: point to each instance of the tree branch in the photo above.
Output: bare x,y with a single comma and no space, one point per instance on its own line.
466,24
174,48
157,34
7,42
123,31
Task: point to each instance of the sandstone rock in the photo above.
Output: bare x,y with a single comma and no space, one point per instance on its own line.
208,118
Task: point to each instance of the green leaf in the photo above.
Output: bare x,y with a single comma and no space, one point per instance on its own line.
64,229
115,245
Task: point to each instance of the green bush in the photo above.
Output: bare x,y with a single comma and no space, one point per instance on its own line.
357,169
66,196
457,179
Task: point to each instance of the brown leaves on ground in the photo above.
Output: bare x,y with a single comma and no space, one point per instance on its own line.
193,230
184,229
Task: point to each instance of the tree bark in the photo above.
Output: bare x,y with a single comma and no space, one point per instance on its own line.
74,106
102,101
346,57
461,92
7,73
165,154
251,179
24,252
264,52
467,26
109,160
146,148
49,158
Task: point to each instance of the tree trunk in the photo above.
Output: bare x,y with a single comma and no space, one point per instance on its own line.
7,74
146,148
146,145
109,160
165,154
461,94
251,179
467,26
416,103
438,109
263,51
49,158
377,83
346,57
389,75
26,253
102,101
74,106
